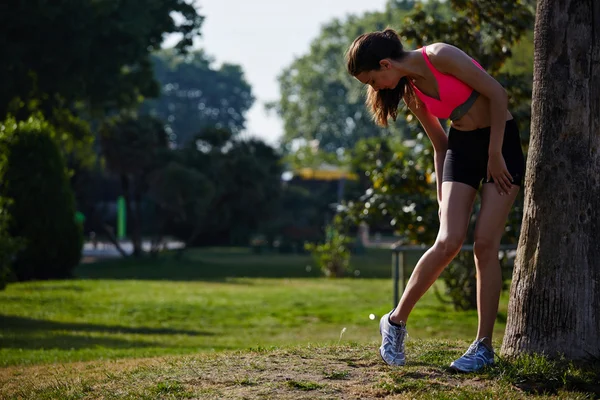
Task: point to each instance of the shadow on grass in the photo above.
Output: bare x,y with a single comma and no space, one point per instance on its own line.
49,288
25,330
65,341
169,268
542,375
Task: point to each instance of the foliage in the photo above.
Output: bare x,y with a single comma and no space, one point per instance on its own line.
237,180
42,208
319,100
304,208
246,176
181,195
312,155
332,256
460,282
77,61
401,188
194,95
130,142
517,76
91,55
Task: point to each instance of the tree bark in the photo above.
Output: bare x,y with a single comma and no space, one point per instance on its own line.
554,303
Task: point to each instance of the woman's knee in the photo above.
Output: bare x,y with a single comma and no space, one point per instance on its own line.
485,249
449,245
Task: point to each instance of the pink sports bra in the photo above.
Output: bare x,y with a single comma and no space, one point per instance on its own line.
456,97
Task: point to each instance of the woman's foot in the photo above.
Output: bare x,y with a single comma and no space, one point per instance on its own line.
393,337
478,356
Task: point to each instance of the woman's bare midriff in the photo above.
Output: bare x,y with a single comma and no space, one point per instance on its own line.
477,117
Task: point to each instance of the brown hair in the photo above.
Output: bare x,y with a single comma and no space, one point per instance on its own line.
364,54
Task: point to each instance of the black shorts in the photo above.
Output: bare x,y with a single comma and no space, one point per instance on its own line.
467,155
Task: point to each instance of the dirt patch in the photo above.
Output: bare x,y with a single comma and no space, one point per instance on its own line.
328,372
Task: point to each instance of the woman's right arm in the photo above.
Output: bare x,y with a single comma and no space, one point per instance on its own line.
438,138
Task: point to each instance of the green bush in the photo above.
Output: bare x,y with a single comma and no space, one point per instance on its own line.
8,245
42,210
333,256
460,282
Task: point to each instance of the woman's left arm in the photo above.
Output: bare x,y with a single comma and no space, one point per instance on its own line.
454,61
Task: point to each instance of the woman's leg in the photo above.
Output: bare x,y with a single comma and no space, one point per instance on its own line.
457,202
490,226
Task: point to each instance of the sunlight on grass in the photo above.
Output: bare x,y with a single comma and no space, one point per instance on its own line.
98,319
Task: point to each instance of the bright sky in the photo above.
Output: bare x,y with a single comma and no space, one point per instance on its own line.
264,36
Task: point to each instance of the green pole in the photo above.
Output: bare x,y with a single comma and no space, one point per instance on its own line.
121,218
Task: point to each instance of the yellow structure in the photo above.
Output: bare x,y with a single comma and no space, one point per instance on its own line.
325,172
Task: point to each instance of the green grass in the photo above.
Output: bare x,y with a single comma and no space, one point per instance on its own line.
105,319
128,308
230,324
220,264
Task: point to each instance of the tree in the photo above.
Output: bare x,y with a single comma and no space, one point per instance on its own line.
131,146
319,100
246,176
555,296
92,55
194,95
182,196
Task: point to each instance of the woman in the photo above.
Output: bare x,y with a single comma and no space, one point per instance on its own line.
482,146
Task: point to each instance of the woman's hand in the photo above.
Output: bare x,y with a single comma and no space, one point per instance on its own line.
497,170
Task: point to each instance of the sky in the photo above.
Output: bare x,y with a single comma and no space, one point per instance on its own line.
264,37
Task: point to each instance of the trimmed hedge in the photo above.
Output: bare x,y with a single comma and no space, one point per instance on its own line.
33,176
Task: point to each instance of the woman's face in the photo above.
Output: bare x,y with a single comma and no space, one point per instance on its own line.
384,78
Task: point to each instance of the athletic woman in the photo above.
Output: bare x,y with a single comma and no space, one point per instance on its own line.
482,151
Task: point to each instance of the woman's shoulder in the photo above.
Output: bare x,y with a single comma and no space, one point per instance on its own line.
442,49
441,53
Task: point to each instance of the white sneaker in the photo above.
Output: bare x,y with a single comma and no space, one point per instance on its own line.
392,341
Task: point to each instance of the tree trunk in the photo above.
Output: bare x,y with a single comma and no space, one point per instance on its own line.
554,303
107,231
189,241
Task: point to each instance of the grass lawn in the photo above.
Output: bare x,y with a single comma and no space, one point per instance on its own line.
133,308
230,324
225,263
